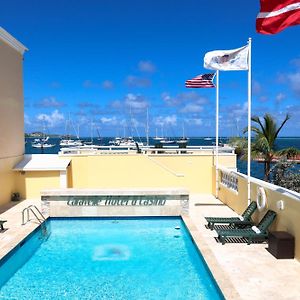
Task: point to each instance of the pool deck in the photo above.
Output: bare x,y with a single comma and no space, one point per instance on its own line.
242,271
250,269
14,232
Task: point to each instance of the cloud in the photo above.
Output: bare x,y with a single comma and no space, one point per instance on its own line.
52,120
182,98
192,108
27,120
137,82
293,110
87,104
256,87
136,123
116,104
188,102
170,101
109,120
281,78
263,99
147,66
89,84
280,97
135,102
83,119
194,121
49,102
166,120
295,62
236,111
107,84
294,81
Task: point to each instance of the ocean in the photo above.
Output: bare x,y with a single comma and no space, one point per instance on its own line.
257,169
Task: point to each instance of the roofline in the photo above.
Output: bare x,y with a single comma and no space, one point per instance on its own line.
11,41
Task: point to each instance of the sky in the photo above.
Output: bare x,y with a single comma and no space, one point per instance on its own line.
101,65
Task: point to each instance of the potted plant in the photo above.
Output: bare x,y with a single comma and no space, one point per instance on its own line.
15,197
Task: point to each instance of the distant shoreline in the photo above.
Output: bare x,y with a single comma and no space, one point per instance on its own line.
37,135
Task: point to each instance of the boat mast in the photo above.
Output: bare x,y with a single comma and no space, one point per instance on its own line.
147,128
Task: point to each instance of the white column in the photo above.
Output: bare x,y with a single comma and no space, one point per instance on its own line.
249,123
217,134
63,179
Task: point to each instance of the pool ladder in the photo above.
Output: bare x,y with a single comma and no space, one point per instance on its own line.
35,211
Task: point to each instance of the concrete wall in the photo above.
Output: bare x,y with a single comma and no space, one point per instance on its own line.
11,117
30,183
115,171
123,171
287,219
119,202
7,178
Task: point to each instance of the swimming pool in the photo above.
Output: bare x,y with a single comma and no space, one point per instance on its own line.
99,258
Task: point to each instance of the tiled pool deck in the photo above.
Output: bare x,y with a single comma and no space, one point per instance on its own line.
242,271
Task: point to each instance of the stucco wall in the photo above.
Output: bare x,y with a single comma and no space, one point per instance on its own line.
11,102
121,171
287,219
30,183
7,178
11,117
115,171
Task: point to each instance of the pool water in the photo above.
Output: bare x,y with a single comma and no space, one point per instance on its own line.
138,258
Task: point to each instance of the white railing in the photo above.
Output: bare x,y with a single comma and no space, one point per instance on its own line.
99,150
230,180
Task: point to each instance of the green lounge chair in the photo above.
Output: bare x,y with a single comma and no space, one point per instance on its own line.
236,221
1,224
250,233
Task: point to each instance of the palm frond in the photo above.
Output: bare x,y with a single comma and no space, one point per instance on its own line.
257,120
290,152
287,117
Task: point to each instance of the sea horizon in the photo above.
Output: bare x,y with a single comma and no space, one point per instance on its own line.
257,168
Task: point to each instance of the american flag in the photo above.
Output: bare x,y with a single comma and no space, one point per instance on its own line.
201,81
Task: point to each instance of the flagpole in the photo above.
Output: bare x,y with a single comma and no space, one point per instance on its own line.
217,134
249,122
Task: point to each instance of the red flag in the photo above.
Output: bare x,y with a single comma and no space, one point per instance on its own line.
276,15
201,81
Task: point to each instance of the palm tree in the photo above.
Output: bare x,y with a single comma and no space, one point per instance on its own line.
264,144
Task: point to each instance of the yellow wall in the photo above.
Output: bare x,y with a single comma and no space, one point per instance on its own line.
114,171
194,172
30,183
7,178
287,219
11,117
11,102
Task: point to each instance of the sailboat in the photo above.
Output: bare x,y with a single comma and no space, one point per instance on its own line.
90,144
67,141
162,140
183,140
209,138
42,142
157,138
128,141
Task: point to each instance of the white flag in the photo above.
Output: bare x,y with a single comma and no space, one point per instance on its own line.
227,60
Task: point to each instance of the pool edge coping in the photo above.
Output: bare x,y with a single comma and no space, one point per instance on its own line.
222,280
220,275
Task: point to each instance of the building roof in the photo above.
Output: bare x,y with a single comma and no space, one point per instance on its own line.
11,41
42,162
